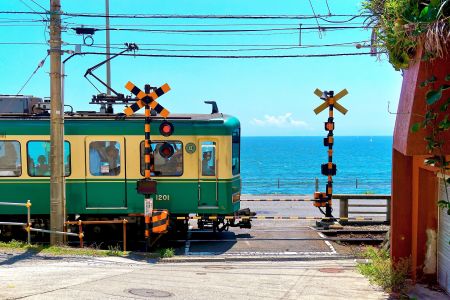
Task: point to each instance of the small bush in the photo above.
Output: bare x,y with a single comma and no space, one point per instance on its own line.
381,271
114,251
167,253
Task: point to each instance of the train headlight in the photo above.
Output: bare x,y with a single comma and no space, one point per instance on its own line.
166,128
166,150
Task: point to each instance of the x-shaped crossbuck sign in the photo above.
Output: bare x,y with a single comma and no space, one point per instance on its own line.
330,100
147,99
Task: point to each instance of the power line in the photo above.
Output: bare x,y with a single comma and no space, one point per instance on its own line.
220,30
167,16
41,63
315,16
234,56
289,47
209,25
39,5
24,3
282,46
329,11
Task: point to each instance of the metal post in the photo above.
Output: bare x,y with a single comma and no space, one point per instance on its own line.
388,211
147,159
124,235
108,49
343,209
329,190
57,190
80,232
28,205
316,184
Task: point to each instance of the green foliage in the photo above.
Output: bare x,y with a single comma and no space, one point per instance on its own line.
57,250
114,251
381,271
401,25
436,121
167,253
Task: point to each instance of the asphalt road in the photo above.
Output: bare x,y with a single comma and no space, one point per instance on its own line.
292,238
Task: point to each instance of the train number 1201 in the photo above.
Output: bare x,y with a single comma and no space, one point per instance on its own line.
162,197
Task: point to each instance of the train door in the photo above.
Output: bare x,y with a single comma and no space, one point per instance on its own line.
105,172
208,175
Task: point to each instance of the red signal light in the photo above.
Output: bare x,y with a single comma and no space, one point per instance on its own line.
166,150
166,128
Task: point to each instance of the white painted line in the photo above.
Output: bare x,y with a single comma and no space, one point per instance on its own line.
327,242
256,253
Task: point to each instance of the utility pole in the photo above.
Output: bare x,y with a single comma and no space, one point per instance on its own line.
57,188
108,49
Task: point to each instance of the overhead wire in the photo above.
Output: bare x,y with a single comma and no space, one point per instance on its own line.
175,16
227,30
233,56
315,16
328,7
39,5
40,65
24,3
285,47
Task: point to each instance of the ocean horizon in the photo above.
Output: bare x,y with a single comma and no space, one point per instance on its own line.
290,164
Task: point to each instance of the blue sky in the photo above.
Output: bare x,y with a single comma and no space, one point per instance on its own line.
269,96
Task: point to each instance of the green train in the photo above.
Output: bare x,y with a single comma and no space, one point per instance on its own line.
103,160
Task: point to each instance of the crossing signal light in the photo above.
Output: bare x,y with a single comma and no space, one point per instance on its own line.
166,150
328,169
166,128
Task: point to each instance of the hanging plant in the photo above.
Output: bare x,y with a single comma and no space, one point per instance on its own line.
400,26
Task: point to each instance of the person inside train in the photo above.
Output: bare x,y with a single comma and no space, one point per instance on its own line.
113,159
42,167
8,160
207,170
98,165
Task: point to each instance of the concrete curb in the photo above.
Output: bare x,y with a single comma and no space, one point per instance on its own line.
231,258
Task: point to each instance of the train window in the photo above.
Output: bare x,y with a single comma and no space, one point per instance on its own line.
10,162
171,166
38,156
208,159
104,158
235,151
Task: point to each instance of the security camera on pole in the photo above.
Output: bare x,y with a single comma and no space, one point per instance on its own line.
324,199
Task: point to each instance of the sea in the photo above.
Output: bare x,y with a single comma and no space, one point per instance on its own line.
290,165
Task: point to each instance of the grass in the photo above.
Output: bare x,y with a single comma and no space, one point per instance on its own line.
381,271
166,252
61,250
88,251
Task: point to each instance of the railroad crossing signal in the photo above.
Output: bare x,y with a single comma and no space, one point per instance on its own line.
330,101
147,99
328,169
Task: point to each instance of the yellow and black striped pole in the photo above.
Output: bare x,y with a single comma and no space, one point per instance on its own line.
330,166
328,169
147,172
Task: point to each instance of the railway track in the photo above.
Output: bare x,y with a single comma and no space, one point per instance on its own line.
355,236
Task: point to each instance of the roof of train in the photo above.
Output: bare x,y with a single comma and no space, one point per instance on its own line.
89,123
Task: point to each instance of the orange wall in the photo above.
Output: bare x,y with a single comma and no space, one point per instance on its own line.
415,185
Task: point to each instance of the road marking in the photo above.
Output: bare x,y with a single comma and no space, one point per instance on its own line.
257,253
327,242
